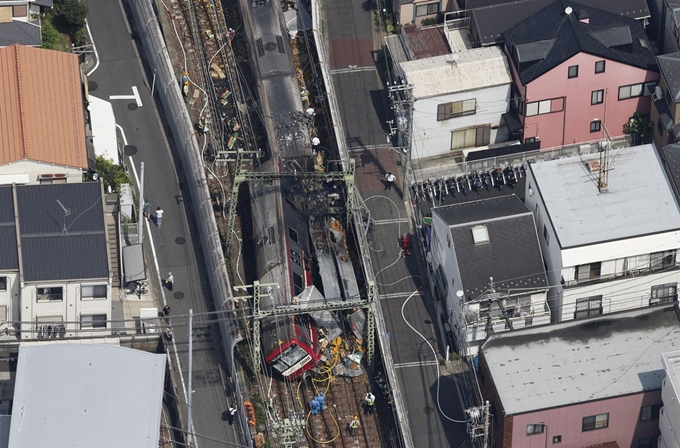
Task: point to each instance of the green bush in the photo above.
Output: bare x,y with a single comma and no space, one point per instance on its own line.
429,21
111,173
51,39
73,11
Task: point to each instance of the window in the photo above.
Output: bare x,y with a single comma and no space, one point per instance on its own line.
595,126
586,272
647,442
648,413
597,97
599,67
480,234
456,109
472,137
667,293
535,429
631,91
293,234
297,283
595,422
3,283
426,10
573,71
20,11
93,292
589,306
50,294
662,260
546,235
545,107
529,139
93,321
557,439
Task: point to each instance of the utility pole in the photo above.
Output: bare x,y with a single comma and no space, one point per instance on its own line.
402,99
190,423
479,424
140,216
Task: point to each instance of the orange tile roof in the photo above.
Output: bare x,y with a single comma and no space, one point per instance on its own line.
41,107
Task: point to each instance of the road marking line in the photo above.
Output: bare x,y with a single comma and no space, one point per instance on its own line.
158,272
338,71
134,96
396,295
404,365
94,49
390,221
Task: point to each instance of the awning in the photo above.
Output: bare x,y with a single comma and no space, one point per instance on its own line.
104,129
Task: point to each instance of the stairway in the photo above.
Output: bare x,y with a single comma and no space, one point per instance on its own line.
113,246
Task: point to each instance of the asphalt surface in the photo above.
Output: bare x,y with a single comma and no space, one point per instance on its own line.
353,49
174,247
432,397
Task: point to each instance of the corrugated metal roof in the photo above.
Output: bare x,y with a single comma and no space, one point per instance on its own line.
107,397
9,259
133,263
41,107
75,241
464,71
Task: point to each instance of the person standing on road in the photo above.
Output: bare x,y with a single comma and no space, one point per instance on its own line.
170,281
232,414
147,210
159,216
369,401
389,178
354,426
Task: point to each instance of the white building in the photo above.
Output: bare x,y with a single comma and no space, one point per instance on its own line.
669,414
43,117
607,251
486,269
56,278
459,100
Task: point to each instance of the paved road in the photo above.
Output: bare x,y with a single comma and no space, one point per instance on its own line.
174,247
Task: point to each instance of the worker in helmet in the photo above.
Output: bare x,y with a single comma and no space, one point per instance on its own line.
354,426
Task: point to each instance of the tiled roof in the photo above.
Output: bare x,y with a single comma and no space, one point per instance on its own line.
607,35
17,32
41,107
493,17
669,64
511,230
60,245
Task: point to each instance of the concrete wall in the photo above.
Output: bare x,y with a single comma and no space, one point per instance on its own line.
433,138
572,123
10,298
68,310
35,169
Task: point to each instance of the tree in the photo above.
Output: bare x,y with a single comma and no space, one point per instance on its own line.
74,11
112,174
50,37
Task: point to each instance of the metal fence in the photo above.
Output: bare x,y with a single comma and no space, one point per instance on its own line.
167,87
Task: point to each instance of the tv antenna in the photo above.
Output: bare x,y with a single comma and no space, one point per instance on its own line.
67,212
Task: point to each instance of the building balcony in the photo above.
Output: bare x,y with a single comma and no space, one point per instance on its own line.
620,275
479,322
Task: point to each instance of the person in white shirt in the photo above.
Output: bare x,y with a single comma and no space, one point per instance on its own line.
159,216
390,178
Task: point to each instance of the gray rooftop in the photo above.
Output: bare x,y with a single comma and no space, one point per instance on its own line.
582,360
20,33
76,243
669,64
81,395
512,256
9,259
640,200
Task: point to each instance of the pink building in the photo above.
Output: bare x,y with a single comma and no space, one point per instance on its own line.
585,383
579,73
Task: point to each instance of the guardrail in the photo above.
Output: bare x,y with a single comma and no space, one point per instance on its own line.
148,32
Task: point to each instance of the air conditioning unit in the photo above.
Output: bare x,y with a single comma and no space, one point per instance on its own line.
658,93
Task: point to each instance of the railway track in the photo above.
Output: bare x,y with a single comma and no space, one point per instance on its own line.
214,69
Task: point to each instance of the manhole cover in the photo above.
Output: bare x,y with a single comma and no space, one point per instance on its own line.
129,150
428,410
179,295
132,106
270,46
92,86
180,240
427,321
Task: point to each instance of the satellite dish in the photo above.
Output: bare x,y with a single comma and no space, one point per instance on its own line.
568,10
